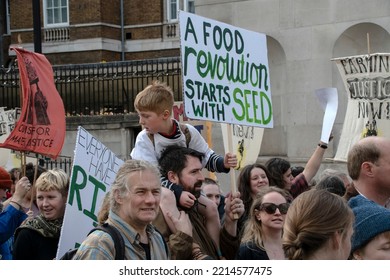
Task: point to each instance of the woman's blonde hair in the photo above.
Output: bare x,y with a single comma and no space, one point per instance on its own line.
313,217
253,231
53,179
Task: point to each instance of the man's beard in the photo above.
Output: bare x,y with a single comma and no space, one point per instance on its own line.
197,189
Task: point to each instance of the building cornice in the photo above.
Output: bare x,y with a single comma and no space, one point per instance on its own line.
98,44
93,24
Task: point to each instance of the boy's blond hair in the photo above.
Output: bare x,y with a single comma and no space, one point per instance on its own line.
156,97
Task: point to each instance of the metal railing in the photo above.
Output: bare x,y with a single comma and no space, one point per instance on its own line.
101,88
171,30
56,34
62,162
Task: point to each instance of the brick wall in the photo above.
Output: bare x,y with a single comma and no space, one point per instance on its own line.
21,14
152,32
143,11
99,56
152,54
110,11
82,57
136,12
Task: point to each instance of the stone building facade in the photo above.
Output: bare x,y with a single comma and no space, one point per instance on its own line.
303,36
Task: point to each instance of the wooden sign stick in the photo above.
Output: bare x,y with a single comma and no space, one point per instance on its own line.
232,173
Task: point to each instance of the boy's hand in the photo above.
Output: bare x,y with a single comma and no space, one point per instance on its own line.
187,199
230,160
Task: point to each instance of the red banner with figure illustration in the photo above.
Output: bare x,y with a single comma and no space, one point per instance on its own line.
41,126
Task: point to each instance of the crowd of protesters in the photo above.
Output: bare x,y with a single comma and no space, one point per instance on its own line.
160,205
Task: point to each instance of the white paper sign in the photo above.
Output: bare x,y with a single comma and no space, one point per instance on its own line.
328,99
94,170
225,72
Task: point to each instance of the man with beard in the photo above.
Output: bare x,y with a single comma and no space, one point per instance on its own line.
183,166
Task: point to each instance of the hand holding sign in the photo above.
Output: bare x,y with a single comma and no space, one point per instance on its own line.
230,160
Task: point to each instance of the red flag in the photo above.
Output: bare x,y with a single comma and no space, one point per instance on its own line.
41,126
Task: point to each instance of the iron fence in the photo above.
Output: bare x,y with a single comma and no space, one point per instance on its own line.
62,162
101,88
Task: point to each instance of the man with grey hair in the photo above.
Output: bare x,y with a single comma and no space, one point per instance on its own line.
134,204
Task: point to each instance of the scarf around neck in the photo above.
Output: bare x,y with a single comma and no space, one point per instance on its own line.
47,228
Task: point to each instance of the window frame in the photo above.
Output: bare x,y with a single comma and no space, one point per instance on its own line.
45,15
186,5
180,5
169,10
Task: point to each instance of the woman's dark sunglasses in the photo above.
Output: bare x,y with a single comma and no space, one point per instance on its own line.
270,208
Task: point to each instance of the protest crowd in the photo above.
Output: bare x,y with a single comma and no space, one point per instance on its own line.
160,206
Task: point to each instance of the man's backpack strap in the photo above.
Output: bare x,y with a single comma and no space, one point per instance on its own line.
183,128
116,236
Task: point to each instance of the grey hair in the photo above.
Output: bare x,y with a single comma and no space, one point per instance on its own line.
121,183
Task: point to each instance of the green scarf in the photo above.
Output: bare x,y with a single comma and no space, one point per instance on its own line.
46,228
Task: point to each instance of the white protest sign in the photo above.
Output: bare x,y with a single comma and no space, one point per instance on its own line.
328,100
178,114
94,169
246,141
225,72
7,124
367,82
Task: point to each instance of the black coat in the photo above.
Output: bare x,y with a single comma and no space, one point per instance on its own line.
31,245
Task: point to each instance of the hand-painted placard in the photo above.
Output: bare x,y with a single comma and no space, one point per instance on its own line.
178,114
246,141
94,169
225,72
367,82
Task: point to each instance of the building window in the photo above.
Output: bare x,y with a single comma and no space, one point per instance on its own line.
175,5
189,6
56,13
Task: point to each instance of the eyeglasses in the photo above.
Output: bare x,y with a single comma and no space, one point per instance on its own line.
270,208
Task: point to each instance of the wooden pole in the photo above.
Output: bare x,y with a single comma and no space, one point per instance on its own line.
209,143
32,190
232,172
23,163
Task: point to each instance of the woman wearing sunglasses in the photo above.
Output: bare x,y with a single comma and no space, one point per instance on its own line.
318,227
262,235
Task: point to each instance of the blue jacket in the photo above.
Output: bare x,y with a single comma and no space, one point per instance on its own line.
6,250
10,220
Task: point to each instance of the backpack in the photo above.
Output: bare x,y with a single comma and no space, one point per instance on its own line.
118,242
183,128
116,236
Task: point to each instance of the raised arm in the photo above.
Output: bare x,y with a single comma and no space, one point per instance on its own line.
314,163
